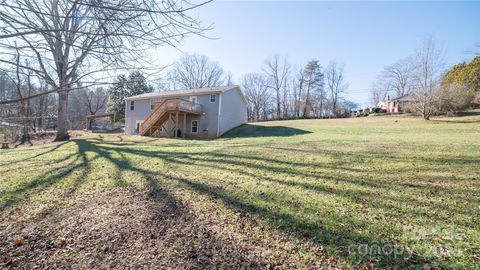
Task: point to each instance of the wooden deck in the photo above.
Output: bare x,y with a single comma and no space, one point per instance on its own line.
169,110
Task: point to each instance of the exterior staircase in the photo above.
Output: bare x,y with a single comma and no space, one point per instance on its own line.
165,111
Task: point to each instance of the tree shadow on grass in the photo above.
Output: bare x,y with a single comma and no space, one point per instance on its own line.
171,234
50,150
456,121
461,118
377,191
66,166
252,131
469,113
173,220
337,241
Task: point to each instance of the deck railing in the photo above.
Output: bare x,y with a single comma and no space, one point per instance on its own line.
182,105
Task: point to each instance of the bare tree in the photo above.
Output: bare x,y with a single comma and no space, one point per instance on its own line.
298,90
400,76
73,42
95,100
335,84
258,96
453,97
43,109
229,80
23,87
277,70
380,90
429,66
396,79
289,96
195,71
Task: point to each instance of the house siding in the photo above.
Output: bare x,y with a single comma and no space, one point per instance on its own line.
140,112
207,122
233,111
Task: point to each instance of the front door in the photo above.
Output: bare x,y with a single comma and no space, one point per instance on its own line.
137,126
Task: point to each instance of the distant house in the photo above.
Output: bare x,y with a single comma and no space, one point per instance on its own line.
192,113
399,104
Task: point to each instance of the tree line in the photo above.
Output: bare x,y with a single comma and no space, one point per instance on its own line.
59,58
280,91
277,91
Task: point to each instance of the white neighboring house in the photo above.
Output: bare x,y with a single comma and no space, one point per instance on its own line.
193,113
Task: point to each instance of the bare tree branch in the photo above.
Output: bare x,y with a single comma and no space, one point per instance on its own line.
67,41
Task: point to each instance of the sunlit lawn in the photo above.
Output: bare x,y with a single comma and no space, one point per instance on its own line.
391,191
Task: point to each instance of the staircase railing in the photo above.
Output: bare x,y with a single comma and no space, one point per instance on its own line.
159,110
168,105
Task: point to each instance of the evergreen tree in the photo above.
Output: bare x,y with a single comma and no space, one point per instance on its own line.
116,97
137,84
314,87
123,87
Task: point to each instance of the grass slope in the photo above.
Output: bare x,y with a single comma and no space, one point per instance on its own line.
383,191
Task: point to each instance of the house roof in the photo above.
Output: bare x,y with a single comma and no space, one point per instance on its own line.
187,92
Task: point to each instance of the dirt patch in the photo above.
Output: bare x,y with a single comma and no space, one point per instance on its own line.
45,138
133,228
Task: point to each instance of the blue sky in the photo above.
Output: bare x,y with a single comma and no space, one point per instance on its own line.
365,36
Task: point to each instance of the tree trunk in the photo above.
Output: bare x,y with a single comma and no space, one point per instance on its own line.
307,102
62,128
24,111
40,118
278,104
335,107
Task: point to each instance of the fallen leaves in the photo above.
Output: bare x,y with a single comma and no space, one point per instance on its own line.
17,242
130,228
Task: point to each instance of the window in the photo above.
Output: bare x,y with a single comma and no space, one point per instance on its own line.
193,99
194,126
132,105
152,105
213,98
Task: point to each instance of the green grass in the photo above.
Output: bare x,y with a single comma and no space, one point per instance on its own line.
346,186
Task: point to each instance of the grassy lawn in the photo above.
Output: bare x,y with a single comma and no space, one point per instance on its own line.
383,191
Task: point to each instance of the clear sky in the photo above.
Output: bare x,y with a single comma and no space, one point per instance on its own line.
365,36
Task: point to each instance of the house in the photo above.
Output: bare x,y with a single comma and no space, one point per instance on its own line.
192,113
399,104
